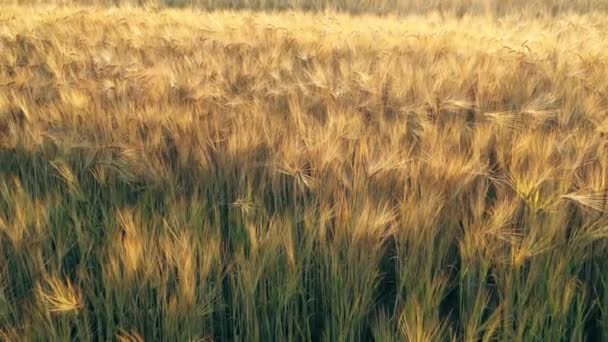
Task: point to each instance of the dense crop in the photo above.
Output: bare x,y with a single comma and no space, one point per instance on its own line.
175,175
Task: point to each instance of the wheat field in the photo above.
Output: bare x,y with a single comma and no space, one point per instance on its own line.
191,175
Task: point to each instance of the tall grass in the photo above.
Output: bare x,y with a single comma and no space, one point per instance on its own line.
174,175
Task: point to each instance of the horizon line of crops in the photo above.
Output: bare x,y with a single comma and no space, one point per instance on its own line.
378,7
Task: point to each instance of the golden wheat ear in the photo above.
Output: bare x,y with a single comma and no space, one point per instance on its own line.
594,200
128,336
59,296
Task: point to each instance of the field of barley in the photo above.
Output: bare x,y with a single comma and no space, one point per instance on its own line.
204,174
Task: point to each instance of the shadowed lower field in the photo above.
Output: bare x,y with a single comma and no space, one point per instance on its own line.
175,175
